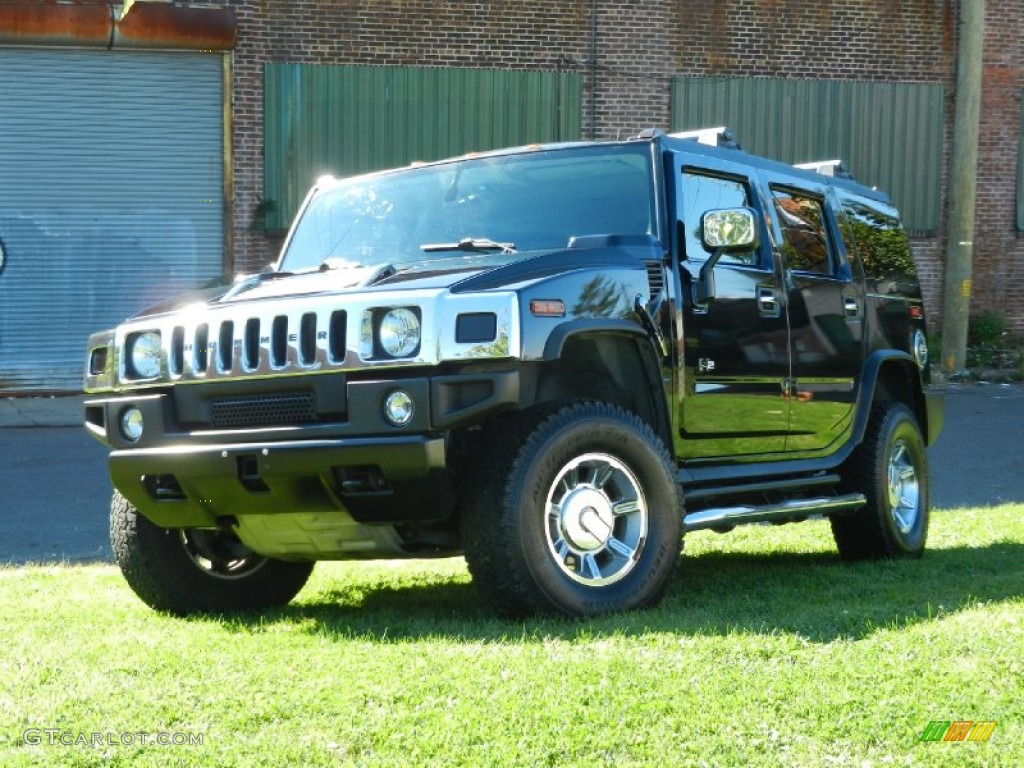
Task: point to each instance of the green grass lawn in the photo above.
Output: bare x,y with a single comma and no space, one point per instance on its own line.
766,651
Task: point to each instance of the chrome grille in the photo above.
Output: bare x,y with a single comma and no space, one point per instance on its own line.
263,410
295,335
244,345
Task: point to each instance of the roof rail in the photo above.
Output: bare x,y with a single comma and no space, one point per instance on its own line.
713,137
836,168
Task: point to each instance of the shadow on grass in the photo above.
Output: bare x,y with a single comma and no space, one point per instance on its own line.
814,596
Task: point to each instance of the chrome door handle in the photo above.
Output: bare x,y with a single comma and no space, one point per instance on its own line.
768,301
851,307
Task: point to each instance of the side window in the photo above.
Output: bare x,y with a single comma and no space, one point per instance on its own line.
805,245
874,230
703,193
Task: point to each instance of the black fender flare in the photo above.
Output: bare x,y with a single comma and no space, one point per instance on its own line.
872,371
554,347
556,340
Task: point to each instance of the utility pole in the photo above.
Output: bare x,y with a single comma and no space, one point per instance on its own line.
963,179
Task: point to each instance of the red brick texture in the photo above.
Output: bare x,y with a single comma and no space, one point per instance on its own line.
628,53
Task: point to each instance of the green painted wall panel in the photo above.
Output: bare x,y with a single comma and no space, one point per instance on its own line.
888,134
344,120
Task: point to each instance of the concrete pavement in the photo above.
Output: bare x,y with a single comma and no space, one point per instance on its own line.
62,411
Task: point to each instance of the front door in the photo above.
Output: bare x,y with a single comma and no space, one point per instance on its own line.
734,356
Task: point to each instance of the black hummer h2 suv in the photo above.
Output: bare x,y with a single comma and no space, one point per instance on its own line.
553,359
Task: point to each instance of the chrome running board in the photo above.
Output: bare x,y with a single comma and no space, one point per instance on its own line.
728,517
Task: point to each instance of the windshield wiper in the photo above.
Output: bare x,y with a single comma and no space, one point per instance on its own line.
470,245
371,273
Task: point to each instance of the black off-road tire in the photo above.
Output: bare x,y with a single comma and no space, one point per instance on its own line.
184,571
572,510
891,468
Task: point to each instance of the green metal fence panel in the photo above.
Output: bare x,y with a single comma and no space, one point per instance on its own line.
888,134
343,120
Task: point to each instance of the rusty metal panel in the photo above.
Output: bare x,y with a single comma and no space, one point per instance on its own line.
98,25
344,120
161,25
35,23
889,134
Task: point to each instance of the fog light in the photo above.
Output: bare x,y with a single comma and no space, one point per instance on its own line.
131,423
398,408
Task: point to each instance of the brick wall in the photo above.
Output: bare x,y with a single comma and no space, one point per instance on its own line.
998,274
636,57
639,47
910,40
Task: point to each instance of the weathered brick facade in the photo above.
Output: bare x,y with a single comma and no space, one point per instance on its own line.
998,273
628,53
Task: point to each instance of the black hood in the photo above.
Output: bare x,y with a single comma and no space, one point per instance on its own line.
461,274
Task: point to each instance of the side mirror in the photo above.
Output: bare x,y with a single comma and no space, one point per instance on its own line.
730,229
727,230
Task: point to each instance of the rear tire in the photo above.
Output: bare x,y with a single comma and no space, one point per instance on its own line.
573,511
192,570
891,469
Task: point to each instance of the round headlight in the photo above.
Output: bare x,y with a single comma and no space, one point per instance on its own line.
145,355
399,333
398,408
131,423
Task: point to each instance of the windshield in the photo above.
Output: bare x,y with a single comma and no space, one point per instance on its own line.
506,204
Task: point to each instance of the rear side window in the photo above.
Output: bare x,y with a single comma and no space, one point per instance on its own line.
703,193
874,230
805,244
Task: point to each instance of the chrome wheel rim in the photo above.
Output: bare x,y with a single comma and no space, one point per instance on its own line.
597,520
219,554
904,488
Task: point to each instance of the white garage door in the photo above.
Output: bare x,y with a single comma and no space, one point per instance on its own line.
111,197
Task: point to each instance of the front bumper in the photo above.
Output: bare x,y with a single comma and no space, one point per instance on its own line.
346,460
373,480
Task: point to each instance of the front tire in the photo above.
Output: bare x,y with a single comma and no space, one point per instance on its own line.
574,511
891,469
191,570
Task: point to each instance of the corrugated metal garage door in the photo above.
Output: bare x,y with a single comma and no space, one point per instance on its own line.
111,197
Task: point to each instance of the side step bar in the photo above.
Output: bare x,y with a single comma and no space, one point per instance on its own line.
695,494
728,517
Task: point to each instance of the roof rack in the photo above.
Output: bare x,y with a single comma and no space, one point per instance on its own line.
713,137
836,168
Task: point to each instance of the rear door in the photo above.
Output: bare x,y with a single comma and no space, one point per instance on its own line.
734,357
825,305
